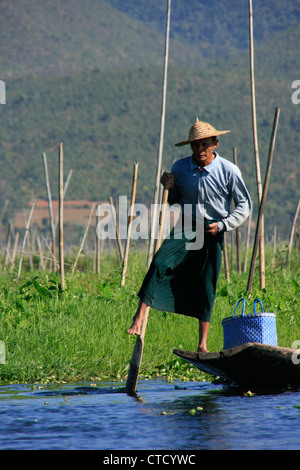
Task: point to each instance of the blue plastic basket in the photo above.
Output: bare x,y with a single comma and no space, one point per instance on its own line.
250,328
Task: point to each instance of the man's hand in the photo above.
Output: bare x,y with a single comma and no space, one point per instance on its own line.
167,180
212,229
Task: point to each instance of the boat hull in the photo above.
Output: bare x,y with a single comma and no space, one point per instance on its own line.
250,365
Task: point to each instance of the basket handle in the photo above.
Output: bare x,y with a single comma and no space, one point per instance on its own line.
244,304
254,305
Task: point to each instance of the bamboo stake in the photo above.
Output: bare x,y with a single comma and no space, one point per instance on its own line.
25,239
42,265
116,226
130,218
8,258
226,259
256,152
30,250
162,218
247,242
237,230
49,205
61,214
4,210
292,233
51,253
13,256
98,245
83,240
64,194
274,248
7,246
263,199
161,191
274,239
232,245
161,140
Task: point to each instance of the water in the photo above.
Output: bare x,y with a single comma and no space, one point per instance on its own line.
103,417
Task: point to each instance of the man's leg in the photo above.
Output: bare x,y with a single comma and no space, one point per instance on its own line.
208,285
138,318
203,332
171,253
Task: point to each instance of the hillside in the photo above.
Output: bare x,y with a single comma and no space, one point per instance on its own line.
89,74
219,28
64,38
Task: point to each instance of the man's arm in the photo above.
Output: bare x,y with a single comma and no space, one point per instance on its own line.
243,205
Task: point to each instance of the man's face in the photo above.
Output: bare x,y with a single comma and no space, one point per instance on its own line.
203,150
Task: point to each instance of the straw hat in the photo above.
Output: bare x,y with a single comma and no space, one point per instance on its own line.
201,130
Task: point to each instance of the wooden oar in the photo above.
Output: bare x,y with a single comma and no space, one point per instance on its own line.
136,359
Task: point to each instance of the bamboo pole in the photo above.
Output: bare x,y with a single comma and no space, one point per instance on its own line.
237,230
256,151
292,233
7,246
274,239
263,199
98,246
247,242
274,247
116,227
83,240
130,218
13,256
161,140
226,259
61,214
25,239
30,250
64,194
8,258
50,251
162,216
3,210
232,245
42,264
136,360
48,188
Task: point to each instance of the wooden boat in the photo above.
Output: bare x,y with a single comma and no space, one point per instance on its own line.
250,365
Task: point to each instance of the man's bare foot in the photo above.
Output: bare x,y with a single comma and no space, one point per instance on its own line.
136,326
138,319
202,349
203,331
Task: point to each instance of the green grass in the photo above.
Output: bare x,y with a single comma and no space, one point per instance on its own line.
80,334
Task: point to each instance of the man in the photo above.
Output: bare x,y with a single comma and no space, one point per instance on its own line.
183,280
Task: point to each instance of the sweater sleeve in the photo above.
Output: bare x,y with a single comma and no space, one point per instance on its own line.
242,202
